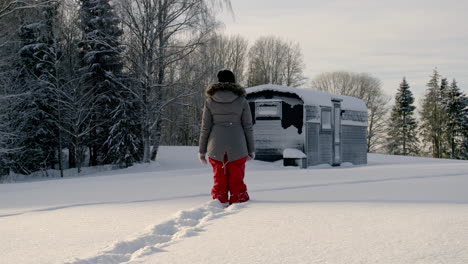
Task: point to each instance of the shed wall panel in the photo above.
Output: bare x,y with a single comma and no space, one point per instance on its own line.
271,139
312,143
354,140
325,147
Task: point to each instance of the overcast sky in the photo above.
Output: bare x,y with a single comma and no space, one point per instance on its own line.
388,39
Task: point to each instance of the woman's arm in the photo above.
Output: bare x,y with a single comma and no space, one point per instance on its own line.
248,127
205,130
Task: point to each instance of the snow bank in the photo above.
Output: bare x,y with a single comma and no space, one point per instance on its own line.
293,154
394,210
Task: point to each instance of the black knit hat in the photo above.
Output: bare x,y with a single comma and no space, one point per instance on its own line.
226,76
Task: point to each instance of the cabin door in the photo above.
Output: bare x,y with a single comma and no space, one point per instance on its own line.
336,137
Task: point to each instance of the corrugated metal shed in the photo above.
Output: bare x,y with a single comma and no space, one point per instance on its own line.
327,128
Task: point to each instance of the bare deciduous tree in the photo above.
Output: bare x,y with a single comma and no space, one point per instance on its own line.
228,52
8,7
273,60
159,34
77,106
194,73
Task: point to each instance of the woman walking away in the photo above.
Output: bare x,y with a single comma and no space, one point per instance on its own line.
226,137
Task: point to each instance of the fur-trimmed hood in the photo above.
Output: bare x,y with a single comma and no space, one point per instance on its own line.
224,86
226,125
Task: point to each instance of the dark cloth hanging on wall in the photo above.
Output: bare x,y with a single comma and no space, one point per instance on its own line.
292,116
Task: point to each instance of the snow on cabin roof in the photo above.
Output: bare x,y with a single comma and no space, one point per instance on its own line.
313,97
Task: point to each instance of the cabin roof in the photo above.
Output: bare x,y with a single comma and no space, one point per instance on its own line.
314,97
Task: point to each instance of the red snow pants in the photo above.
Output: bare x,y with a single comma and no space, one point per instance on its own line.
229,178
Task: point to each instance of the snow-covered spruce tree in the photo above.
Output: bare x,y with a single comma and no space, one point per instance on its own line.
7,135
431,115
34,115
124,144
102,74
454,102
464,129
402,134
444,129
9,41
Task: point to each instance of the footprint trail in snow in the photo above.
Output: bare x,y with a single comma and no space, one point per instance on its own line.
184,224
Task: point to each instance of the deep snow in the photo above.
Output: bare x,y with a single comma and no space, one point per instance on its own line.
394,210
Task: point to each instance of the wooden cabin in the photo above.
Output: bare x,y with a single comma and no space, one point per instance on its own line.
305,127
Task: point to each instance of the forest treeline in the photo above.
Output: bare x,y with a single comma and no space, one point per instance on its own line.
442,128
438,129
93,82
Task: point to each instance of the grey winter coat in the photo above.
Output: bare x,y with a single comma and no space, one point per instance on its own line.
226,123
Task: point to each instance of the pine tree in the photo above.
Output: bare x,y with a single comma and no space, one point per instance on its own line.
464,129
454,104
7,135
443,123
431,116
102,73
402,139
34,115
101,65
124,143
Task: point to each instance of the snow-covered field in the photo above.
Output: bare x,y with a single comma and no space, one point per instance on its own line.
394,210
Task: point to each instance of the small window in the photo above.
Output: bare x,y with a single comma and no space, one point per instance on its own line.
326,118
268,111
